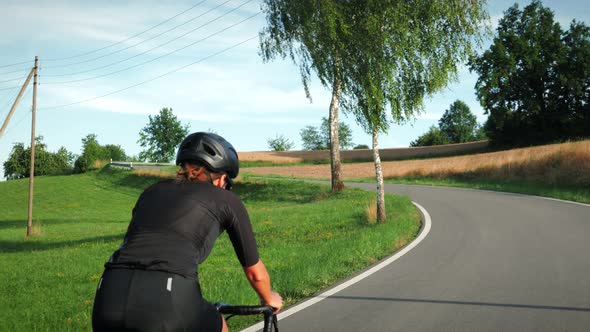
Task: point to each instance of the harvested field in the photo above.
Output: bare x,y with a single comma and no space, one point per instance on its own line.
567,163
365,155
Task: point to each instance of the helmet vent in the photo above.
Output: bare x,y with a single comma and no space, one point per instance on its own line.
209,150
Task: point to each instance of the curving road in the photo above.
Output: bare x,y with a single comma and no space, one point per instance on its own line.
491,262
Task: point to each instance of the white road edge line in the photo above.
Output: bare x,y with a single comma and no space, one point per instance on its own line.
494,192
328,293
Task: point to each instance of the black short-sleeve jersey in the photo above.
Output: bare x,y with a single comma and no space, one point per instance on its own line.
174,226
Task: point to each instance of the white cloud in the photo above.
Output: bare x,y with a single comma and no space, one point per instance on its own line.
53,96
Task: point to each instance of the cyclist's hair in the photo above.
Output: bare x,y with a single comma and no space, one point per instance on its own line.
186,174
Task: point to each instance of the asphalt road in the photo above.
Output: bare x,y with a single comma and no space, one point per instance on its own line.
491,262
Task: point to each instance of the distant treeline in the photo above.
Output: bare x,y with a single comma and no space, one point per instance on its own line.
61,162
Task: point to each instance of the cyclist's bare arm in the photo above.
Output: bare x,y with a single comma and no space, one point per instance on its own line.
260,280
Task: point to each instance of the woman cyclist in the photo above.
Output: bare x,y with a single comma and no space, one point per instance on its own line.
151,282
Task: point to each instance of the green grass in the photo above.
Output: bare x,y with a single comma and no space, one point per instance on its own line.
575,193
308,238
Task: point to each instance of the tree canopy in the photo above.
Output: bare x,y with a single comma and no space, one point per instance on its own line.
18,164
379,58
458,123
534,80
280,143
318,138
402,51
434,136
93,153
160,137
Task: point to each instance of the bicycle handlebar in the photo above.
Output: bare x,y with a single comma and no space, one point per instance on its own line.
270,319
244,309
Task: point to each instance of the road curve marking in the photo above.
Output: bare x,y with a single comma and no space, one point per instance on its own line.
425,230
493,192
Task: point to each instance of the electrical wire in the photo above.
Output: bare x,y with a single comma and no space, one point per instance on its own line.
15,92
11,80
14,64
10,88
18,70
17,123
6,103
153,48
128,38
16,86
159,57
141,42
153,78
111,45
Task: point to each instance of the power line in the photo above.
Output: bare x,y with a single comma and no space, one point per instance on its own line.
16,86
153,48
5,104
153,78
159,57
17,123
16,71
128,38
11,80
14,64
141,42
7,101
111,45
10,88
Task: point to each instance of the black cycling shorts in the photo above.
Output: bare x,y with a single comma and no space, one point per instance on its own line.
140,300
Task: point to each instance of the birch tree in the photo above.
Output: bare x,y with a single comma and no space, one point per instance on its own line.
399,53
313,34
378,57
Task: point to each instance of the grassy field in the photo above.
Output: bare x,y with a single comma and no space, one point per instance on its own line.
308,239
574,193
557,170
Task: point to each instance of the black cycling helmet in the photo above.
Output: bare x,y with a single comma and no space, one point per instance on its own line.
212,150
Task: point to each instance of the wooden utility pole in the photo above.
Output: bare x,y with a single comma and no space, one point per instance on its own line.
16,101
32,174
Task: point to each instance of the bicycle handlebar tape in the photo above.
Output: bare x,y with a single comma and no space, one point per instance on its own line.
246,309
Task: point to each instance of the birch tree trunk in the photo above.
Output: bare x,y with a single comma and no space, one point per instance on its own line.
335,163
381,217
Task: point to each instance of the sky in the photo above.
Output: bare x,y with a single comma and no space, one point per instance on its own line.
105,66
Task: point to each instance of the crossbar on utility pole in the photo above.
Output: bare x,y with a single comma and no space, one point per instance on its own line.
32,174
17,100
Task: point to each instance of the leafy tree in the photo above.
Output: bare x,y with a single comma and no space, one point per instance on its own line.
18,164
16,167
574,80
458,123
373,55
480,133
161,136
534,80
93,152
344,134
280,143
361,147
115,152
133,158
434,136
319,138
398,52
312,139
62,161
312,34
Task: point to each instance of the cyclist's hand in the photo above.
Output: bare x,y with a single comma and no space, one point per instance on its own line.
275,301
